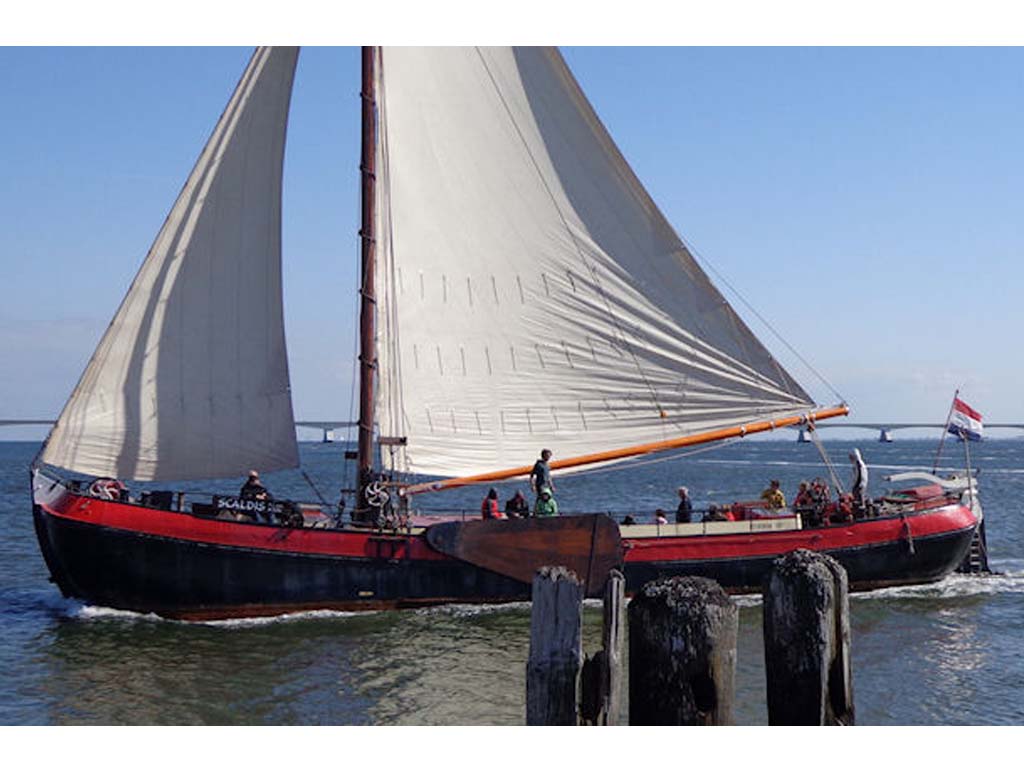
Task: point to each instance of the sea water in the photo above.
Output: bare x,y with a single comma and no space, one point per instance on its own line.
949,653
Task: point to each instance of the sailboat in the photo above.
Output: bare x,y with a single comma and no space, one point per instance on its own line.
520,291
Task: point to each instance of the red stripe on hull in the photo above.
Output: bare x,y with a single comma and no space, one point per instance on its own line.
372,545
937,521
187,527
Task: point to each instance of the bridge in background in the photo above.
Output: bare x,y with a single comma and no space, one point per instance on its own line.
884,429
326,427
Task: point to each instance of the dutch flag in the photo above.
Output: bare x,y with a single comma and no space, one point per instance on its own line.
964,421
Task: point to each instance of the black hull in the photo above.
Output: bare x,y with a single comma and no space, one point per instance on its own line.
184,579
894,563
177,578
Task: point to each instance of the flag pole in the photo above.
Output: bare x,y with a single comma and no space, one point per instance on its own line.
970,480
945,429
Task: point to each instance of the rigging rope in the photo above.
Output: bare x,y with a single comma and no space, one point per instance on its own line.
824,457
711,268
316,490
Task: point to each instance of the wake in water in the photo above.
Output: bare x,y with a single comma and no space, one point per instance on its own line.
263,621
460,610
98,613
74,610
1009,580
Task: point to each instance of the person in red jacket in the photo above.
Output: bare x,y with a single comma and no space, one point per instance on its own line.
489,507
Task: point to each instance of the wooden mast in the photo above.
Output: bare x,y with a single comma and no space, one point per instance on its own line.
636,450
367,347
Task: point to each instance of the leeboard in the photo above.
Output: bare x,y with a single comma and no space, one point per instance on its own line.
588,545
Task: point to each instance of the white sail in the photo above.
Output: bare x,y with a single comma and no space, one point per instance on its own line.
531,294
191,378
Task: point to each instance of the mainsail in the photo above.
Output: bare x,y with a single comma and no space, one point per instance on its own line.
531,294
191,378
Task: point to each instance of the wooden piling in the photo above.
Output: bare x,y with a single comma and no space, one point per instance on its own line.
601,690
556,648
807,641
682,653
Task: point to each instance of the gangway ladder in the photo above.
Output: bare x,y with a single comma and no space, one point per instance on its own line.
976,559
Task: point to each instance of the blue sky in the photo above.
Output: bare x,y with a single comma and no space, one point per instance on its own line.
867,202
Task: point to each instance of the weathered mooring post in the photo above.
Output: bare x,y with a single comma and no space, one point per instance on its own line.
682,653
556,648
601,690
807,641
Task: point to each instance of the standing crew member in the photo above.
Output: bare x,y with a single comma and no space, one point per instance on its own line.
860,478
684,512
540,475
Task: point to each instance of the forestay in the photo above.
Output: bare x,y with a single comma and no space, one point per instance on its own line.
191,378
531,293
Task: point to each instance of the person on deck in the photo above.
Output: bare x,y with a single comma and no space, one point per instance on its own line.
804,497
253,489
540,475
773,496
517,506
714,515
859,482
489,507
684,512
659,517
546,504
820,493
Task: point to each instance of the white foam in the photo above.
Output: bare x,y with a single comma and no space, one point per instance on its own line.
459,610
262,621
955,586
1008,581
99,613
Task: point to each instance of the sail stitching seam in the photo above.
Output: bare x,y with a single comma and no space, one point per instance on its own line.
569,232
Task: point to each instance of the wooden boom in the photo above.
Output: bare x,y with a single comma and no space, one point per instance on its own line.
635,450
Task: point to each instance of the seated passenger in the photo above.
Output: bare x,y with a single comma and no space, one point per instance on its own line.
773,497
253,489
659,517
489,507
546,504
714,515
517,506
843,510
804,498
820,492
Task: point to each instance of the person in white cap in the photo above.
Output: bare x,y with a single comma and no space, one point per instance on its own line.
859,482
253,489
684,512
